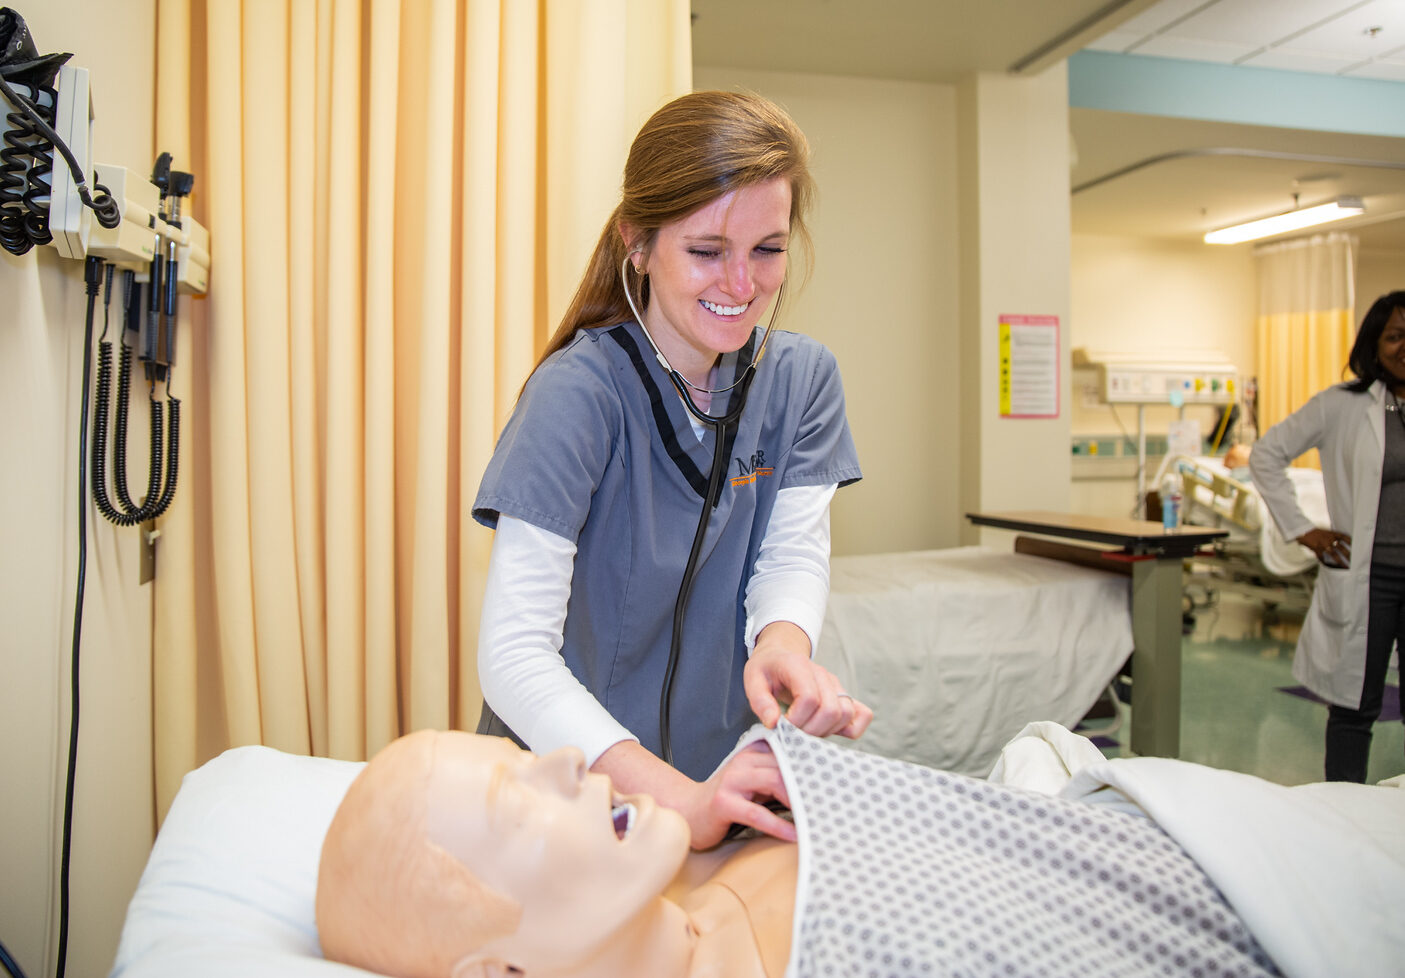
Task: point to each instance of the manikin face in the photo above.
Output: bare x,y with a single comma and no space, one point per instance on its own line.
581,860
1391,346
715,272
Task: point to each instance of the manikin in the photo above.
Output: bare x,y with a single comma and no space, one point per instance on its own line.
455,855
567,878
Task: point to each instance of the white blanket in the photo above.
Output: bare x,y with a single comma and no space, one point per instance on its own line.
1317,871
958,649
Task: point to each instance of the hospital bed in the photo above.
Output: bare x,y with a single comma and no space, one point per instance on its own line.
1318,872
1254,560
957,649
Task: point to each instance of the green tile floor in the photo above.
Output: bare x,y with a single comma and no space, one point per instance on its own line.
1233,715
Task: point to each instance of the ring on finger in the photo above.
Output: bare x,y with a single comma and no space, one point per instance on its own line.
845,696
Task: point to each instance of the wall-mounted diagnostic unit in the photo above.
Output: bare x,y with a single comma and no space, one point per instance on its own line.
1175,379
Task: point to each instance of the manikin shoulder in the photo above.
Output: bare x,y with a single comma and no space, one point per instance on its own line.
744,911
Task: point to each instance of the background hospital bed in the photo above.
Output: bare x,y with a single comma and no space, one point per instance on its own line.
1255,559
956,650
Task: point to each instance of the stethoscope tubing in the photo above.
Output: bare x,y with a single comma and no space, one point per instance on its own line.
719,425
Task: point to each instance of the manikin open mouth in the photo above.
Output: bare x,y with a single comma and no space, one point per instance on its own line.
623,815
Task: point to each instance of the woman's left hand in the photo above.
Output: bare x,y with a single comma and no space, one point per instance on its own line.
780,670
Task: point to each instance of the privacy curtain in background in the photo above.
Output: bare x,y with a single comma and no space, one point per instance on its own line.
1305,328
401,195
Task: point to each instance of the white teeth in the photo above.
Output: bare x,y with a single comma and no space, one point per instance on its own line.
725,310
622,815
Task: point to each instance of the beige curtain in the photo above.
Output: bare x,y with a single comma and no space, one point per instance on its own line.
401,195
1304,328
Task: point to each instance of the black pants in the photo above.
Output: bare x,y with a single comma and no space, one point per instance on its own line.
1349,731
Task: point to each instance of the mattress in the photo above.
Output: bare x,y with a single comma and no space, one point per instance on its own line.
956,650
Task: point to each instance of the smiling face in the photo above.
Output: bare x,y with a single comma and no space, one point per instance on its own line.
581,860
714,273
1391,347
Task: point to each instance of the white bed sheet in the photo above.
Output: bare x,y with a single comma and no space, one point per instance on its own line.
956,650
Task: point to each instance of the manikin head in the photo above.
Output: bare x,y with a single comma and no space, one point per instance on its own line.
460,855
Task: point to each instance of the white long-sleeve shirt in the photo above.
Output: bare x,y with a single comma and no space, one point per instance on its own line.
523,675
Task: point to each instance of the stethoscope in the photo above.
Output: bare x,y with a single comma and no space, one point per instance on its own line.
718,424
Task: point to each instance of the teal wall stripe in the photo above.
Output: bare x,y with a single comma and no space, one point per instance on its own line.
1231,93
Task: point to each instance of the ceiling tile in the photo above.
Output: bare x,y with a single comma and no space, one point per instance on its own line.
1255,23
1116,41
1381,70
1347,35
1289,60
1158,16
1166,46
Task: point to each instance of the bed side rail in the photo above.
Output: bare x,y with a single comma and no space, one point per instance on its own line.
1228,498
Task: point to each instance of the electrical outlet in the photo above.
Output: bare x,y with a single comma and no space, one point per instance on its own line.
149,535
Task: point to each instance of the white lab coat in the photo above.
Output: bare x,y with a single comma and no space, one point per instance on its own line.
1348,429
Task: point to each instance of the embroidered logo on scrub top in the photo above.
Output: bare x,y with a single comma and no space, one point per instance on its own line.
749,472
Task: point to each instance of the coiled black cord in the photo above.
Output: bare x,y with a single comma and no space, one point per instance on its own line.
35,217
159,492
24,213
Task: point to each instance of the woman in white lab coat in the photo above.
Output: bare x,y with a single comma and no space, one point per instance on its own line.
1358,605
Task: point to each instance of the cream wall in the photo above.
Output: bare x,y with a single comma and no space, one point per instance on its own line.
884,293
1014,221
41,358
1377,272
1143,295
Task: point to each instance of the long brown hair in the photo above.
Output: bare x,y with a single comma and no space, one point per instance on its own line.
695,149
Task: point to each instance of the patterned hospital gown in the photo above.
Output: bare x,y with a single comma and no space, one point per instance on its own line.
909,871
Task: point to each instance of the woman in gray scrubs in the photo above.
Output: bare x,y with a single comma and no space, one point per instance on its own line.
602,476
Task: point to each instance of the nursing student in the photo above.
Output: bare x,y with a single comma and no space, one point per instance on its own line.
661,492
1357,613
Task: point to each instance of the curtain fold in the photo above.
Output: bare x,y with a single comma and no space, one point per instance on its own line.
1304,330
400,196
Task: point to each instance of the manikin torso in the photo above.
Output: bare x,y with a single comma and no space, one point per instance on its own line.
740,899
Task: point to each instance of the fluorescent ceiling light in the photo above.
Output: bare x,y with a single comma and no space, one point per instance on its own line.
1291,221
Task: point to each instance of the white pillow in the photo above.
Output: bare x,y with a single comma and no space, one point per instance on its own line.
231,883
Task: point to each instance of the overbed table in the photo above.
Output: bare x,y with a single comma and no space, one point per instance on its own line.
1154,556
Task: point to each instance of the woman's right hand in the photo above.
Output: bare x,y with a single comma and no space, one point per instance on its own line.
735,794
1333,549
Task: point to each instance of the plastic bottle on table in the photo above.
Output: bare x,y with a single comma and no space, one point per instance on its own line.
1170,502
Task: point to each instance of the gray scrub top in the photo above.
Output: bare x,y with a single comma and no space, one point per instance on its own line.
600,451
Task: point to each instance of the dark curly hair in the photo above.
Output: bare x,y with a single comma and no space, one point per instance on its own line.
1365,360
